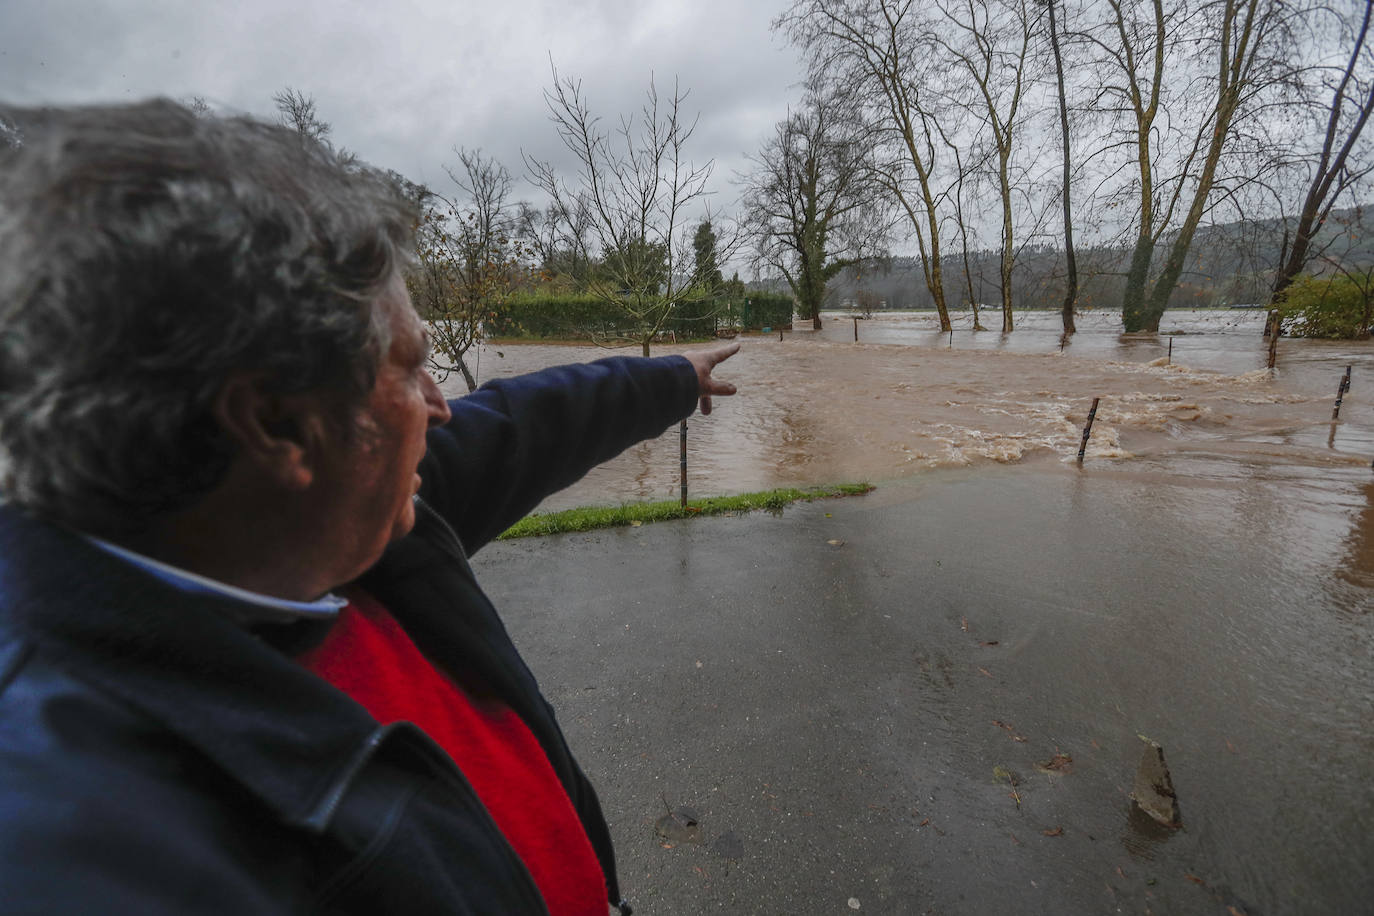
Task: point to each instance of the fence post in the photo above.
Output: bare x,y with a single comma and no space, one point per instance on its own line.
1341,389
1274,325
682,459
1087,430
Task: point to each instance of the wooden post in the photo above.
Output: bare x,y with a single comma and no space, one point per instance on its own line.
1341,389
1274,324
779,335
1171,352
682,459
1087,430
856,330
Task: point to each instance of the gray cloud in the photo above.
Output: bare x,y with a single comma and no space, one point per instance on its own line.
406,82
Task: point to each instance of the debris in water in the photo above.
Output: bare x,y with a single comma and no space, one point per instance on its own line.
1059,763
1057,831
1009,730
1154,789
679,826
1002,774
835,542
853,903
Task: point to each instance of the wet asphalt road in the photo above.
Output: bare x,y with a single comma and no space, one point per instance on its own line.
854,696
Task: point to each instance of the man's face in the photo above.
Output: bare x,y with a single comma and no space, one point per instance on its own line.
373,477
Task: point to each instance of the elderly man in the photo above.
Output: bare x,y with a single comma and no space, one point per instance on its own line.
244,664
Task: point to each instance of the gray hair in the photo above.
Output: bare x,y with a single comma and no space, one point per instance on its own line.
146,254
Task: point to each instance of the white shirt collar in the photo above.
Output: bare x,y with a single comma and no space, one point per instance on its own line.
280,609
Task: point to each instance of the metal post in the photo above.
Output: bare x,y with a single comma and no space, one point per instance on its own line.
1087,430
1171,351
951,338
1341,389
682,459
1274,325
856,330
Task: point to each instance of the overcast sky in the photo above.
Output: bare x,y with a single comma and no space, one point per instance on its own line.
405,82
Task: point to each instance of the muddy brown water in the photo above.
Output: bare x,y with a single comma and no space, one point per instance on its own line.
1206,579
818,408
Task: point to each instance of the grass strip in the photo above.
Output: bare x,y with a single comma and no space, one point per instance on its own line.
590,518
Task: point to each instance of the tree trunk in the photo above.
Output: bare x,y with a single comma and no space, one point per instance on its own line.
1133,313
1007,323
937,276
1071,263
467,375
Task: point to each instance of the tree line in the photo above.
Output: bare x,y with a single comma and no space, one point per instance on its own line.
1046,138
1006,124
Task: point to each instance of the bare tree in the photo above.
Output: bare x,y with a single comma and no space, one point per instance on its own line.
1333,171
812,203
197,105
989,41
880,49
296,110
641,197
1066,184
1221,56
468,259
964,171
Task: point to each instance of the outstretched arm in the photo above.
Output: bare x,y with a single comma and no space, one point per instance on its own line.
515,441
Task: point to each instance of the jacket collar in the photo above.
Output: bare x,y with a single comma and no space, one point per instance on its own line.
178,658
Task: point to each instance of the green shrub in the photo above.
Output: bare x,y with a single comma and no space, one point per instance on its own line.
761,310
560,315
571,316
1334,307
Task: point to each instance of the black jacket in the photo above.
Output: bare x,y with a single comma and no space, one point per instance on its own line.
155,757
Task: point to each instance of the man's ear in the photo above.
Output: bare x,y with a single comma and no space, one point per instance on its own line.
277,434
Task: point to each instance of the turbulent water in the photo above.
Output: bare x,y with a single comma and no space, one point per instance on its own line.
818,408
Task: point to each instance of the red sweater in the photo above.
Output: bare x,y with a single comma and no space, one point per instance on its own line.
368,656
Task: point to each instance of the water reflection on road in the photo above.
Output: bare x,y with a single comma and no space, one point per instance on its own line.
1205,578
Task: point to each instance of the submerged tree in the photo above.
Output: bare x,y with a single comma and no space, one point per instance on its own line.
880,51
1066,183
989,41
1333,170
1221,56
813,204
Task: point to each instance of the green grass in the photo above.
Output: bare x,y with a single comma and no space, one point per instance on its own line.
593,517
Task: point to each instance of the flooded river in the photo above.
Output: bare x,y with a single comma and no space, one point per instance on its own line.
1205,578
819,408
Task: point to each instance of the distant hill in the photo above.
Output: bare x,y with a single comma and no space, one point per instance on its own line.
1228,264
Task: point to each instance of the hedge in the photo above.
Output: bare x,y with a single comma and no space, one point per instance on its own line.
574,315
